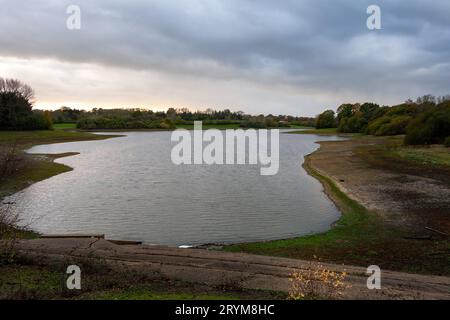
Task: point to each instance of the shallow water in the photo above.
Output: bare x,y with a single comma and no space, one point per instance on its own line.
129,189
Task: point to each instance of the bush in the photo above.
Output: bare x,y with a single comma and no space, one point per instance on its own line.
389,126
116,122
395,126
353,124
375,125
430,127
33,122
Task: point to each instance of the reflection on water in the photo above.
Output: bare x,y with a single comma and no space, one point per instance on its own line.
129,189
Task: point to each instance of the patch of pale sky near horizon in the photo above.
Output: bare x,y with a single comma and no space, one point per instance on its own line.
90,85
87,85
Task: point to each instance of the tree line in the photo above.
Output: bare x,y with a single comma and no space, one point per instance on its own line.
424,121
16,113
148,119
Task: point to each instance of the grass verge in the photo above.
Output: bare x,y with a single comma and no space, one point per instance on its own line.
33,281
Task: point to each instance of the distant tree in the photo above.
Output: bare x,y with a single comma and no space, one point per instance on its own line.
171,114
326,120
428,98
444,98
345,110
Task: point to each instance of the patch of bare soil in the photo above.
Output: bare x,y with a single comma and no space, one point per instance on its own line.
404,195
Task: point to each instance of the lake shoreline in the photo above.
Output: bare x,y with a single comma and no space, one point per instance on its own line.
34,168
375,193
363,233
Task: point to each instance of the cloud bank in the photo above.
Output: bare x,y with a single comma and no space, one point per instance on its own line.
260,56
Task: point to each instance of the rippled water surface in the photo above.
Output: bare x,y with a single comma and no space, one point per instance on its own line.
129,189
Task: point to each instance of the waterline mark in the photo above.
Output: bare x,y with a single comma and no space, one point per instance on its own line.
242,147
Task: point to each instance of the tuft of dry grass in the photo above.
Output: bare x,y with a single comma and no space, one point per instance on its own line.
317,282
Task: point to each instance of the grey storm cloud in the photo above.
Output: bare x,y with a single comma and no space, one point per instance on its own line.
307,46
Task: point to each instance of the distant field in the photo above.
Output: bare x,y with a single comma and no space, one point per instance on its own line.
64,126
209,126
229,126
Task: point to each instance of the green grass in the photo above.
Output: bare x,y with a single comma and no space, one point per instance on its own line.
435,155
392,154
64,126
209,126
229,126
148,292
30,281
296,126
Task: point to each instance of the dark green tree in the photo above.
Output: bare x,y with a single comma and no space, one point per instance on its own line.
326,120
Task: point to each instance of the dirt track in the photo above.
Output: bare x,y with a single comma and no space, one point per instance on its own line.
230,269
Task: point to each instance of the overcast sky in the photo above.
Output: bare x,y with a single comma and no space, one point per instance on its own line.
295,57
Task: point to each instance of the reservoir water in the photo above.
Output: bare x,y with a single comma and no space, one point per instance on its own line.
129,189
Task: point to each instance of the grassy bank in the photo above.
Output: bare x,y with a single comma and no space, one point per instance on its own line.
64,126
27,139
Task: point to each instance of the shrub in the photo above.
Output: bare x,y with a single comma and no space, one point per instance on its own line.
375,125
395,126
32,122
353,124
389,126
432,126
317,281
